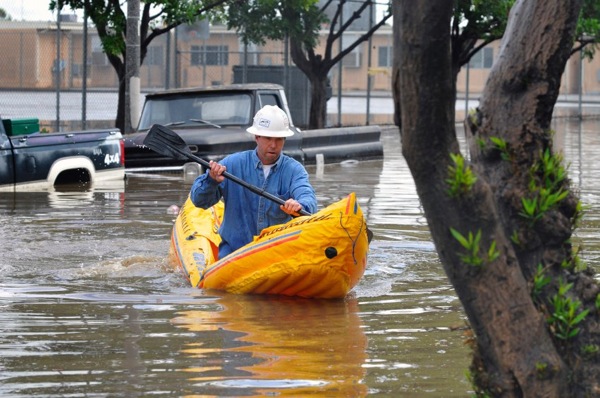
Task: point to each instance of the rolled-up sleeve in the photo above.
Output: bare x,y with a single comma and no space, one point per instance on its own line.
205,191
302,190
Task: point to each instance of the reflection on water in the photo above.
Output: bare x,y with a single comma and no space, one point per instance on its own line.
277,346
88,306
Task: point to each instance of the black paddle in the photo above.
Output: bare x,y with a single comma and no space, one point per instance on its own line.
165,141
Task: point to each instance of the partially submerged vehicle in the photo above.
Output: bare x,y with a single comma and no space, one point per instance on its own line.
32,160
213,121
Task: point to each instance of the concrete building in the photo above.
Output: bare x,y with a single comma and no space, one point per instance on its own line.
39,56
190,57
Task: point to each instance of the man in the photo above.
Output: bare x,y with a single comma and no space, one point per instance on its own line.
247,213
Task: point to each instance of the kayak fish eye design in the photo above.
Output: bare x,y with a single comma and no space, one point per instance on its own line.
331,252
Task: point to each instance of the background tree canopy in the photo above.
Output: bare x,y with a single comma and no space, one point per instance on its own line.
157,17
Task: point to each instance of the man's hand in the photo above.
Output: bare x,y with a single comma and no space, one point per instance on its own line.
216,171
291,207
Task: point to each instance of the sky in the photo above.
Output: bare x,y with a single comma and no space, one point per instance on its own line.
30,10
35,10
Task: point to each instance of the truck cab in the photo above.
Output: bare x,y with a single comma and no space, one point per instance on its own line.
211,120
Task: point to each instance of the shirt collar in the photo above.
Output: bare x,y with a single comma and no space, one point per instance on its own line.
258,163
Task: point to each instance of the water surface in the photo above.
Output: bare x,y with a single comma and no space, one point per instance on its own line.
89,306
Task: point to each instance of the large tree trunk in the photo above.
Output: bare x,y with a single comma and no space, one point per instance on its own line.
119,66
396,67
318,102
121,104
517,351
314,69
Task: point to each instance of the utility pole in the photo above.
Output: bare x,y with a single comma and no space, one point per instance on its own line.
132,66
57,63
85,67
369,64
340,67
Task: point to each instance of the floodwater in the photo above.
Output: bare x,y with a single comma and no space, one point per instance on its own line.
89,306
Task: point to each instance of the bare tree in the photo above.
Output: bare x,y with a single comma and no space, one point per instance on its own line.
301,21
157,17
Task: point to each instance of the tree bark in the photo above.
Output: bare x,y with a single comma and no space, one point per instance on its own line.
515,353
318,104
119,67
396,67
121,104
315,69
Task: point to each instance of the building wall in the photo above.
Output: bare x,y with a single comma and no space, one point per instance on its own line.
183,60
19,48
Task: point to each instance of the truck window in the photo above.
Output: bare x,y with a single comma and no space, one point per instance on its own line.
269,99
226,110
218,108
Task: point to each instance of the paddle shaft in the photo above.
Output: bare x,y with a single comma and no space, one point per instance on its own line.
166,142
237,180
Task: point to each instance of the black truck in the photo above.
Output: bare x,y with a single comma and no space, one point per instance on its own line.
31,160
213,121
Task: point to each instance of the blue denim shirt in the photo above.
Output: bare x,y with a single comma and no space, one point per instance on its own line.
247,213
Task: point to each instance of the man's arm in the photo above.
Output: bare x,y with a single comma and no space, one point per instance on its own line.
205,190
302,191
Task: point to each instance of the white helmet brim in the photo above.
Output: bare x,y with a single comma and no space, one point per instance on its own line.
271,121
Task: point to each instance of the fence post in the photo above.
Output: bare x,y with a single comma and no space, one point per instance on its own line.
84,67
340,67
369,64
57,65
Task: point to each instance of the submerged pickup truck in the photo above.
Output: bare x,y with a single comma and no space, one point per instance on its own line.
32,160
213,122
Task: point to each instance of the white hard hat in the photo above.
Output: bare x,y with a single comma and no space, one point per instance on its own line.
271,121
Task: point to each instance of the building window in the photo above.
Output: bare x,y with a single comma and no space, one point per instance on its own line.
98,56
77,70
154,56
483,59
385,56
353,58
252,53
210,55
196,55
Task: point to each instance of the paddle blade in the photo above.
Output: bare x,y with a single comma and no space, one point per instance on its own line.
166,142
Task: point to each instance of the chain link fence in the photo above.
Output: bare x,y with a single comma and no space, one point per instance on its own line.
58,72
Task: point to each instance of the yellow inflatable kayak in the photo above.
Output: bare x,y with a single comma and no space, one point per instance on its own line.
322,256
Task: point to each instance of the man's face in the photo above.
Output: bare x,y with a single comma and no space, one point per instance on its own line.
269,148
